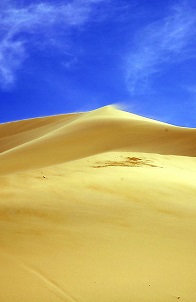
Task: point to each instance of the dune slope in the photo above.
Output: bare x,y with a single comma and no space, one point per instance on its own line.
67,138
97,206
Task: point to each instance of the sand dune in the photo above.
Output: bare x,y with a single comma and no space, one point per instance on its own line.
66,138
97,206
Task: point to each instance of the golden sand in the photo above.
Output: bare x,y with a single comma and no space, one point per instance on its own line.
97,207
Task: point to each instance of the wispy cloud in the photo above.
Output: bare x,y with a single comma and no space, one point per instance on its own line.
191,90
19,24
161,43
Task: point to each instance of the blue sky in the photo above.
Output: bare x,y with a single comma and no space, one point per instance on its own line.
77,55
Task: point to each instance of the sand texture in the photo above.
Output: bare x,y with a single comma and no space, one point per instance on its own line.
97,207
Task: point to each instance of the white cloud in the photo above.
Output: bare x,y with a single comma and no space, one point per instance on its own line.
11,56
160,43
18,25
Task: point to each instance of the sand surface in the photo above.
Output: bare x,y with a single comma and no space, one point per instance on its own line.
97,207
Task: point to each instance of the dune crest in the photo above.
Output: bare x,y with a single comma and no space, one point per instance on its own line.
74,136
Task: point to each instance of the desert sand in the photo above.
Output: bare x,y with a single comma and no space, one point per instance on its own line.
97,207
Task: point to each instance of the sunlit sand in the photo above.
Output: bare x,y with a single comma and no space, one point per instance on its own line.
97,207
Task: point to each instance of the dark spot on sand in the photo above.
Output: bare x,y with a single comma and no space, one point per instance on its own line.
128,162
